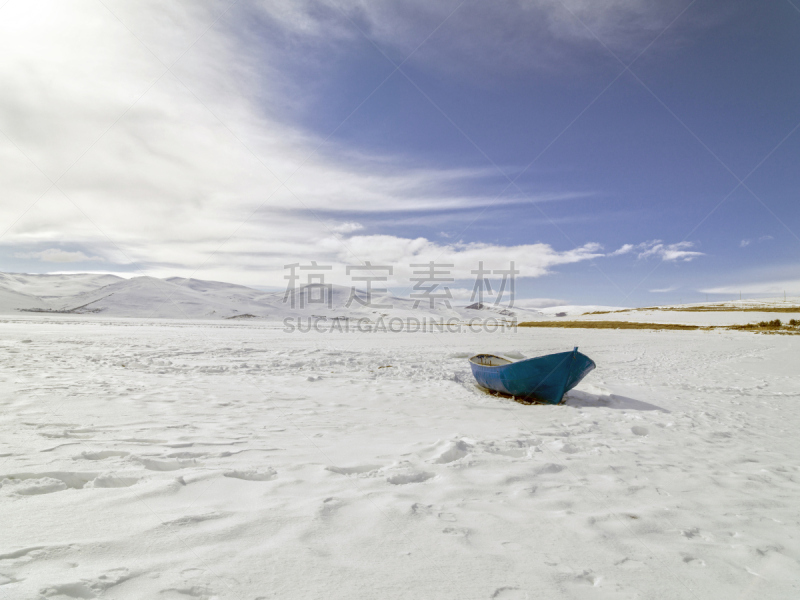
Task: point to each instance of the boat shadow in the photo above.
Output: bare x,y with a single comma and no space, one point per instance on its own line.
578,399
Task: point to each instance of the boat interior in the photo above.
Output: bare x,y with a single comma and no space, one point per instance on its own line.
489,360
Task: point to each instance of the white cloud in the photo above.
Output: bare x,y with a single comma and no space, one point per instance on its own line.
624,249
672,288
746,242
57,255
347,227
669,252
532,260
774,288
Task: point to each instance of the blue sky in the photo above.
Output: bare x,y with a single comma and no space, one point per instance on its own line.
639,173
510,126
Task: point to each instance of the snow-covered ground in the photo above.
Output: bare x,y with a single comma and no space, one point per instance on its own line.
229,459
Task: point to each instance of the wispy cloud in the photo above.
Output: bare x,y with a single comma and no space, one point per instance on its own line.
499,36
667,252
775,288
347,227
56,255
664,290
624,249
747,241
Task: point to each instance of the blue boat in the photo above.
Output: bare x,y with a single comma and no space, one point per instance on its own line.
541,379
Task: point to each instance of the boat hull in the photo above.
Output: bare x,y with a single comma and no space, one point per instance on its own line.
542,379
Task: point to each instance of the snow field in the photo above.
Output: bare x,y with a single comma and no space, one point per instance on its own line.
219,460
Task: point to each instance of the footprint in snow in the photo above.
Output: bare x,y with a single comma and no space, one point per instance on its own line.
88,588
456,531
111,481
551,468
690,533
166,465
253,474
421,509
693,561
34,484
195,591
70,590
405,478
45,485
510,593
193,520
587,577
188,455
102,454
453,452
356,470
329,507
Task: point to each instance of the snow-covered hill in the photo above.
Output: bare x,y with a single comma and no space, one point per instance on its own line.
180,298
55,285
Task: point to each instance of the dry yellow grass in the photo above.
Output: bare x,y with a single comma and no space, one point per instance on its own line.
763,327
608,325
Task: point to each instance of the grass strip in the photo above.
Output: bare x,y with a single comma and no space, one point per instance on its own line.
770,309
609,325
774,326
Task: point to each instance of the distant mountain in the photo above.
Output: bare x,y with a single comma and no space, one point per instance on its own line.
498,310
12,301
181,298
44,286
